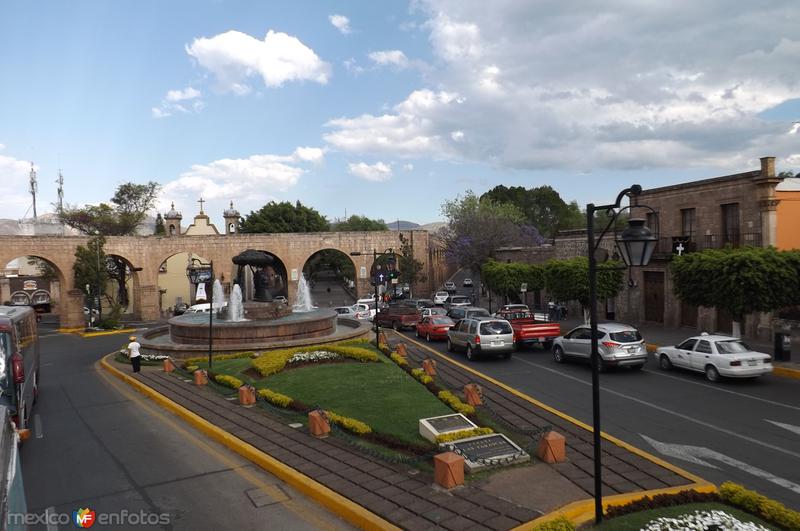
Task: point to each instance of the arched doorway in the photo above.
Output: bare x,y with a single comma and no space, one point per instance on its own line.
122,288
331,275
32,281
175,291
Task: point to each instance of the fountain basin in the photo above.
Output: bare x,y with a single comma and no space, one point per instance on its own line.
192,329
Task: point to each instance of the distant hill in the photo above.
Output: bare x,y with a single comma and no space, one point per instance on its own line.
47,224
401,225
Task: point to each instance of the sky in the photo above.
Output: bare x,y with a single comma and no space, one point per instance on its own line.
387,109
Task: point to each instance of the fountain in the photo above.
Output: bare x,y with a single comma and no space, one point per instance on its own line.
257,324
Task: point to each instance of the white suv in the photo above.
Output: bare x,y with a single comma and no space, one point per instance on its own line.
440,297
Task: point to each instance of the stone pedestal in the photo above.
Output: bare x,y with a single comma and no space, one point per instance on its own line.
401,350
247,395
448,469
472,393
429,366
318,424
168,365
200,377
552,448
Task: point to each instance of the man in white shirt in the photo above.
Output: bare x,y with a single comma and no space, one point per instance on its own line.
134,355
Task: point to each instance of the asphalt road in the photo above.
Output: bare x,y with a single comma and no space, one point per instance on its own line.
98,444
742,431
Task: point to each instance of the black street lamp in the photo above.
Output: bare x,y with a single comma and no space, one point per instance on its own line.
201,273
375,255
635,245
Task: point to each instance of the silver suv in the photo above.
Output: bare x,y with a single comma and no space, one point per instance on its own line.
481,336
619,345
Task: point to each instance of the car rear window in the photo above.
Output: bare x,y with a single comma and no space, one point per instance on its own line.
459,299
732,347
496,327
628,336
442,321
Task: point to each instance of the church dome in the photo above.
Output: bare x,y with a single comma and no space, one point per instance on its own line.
173,214
231,212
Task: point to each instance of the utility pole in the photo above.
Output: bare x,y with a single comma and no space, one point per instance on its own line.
34,189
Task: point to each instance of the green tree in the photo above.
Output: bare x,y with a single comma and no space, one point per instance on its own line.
506,278
476,228
410,268
284,217
568,280
740,281
542,207
129,207
89,270
159,228
359,223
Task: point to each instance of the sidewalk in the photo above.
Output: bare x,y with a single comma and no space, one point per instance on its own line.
406,497
660,335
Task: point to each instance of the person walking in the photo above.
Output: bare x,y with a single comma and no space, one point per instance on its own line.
134,354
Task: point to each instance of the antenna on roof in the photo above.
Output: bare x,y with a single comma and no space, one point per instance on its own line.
60,182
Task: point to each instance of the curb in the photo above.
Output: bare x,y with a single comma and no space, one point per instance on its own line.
79,332
582,511
332,500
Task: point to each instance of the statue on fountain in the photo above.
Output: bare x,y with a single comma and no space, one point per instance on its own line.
267,283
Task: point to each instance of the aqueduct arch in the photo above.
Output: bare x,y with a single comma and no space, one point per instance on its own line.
145,254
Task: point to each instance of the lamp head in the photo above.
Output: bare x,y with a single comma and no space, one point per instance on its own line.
636,243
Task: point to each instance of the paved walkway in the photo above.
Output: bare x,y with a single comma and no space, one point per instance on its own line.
404,496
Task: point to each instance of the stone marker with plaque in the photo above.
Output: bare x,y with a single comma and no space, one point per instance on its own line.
433,426
488,450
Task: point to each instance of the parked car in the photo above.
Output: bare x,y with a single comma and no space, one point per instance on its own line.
370,303
530,330
362,311
513,308
458,301
434,327
481,336
433,310
456,314
204,307
280,298
619,345
467,283
179,308
440,297
398,316
450,286
345,311
419,304
716,356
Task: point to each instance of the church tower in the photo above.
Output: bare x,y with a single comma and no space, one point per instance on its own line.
232,218
172,222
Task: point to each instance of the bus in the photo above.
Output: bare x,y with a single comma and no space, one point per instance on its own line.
19,362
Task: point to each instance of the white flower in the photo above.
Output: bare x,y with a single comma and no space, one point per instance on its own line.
703,520
317,355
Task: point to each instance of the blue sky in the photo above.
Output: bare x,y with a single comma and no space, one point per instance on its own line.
387,109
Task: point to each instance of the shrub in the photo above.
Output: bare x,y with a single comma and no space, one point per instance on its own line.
353,425
559,524
457,405
274,361
275,398
228,381
760,505
356,353
661,500
398,359
420,375
462,434
191,368
234,356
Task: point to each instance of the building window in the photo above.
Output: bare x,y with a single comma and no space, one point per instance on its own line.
652,222
730,224
687,223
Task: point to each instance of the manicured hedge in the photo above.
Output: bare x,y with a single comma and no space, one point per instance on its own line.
753,502
457,405
274,361
462,434
228,381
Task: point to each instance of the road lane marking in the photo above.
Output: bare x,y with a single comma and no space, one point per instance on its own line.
697,454
669,411
37,426
794,429
717,388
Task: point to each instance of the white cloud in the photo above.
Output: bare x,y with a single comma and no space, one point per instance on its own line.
14,175
253,179
371,172
553,85
234,57
389,57
341,22
352,66
179,101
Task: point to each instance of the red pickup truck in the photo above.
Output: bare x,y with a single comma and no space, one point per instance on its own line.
529,331
398,316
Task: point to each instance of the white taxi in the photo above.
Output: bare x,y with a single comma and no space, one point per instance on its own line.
716,356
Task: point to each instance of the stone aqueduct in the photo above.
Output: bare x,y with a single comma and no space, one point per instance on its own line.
145,254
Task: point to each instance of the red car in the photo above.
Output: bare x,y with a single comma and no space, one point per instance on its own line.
434,327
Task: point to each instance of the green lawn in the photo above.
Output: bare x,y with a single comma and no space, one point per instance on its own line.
378,393
636,521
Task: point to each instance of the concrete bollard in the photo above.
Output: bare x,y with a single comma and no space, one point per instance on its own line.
401,350
382,339
448,469
472,393
552,448
200,377
318,424
247,395
429,366
168,365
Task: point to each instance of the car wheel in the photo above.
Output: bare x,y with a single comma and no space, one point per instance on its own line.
471,353
395,326
712,374
449,345
428,338
558,354
664,362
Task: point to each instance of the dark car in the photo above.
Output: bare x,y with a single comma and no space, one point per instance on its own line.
418,304
456,314
398,316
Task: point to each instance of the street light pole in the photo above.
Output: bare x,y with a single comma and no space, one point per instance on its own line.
211,315
377,306
635,245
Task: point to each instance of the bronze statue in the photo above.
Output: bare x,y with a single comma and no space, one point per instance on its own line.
267,281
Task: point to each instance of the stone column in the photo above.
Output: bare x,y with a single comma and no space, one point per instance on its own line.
71,315
148,297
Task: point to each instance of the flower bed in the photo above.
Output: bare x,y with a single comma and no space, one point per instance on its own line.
313,356
703,520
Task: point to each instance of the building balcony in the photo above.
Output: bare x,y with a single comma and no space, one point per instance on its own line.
668,245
